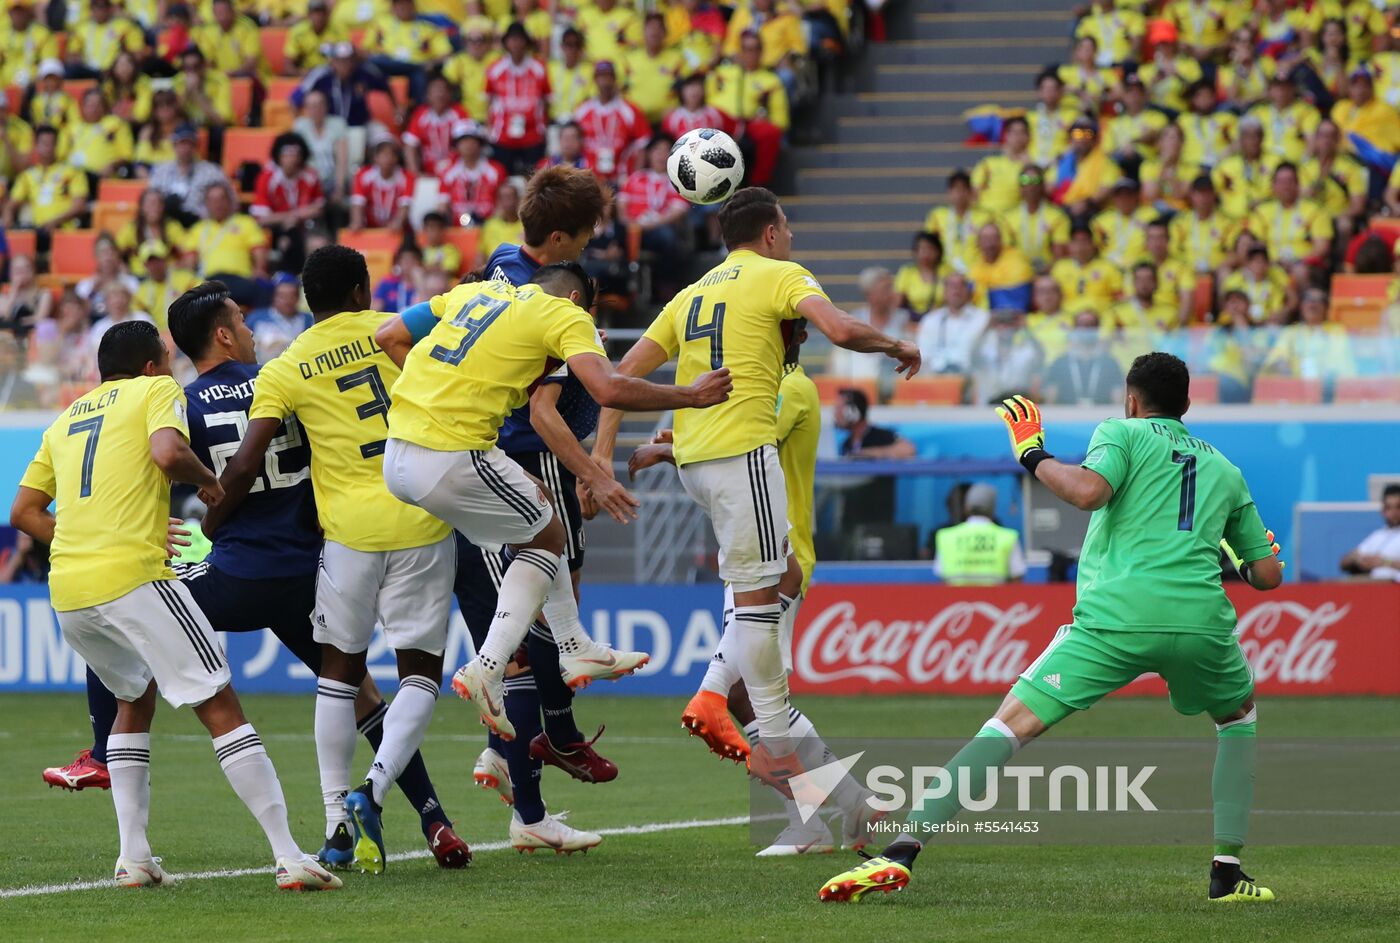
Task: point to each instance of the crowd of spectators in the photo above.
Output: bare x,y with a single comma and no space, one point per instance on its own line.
1197,178
417,117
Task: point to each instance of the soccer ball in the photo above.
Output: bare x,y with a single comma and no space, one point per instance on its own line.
705,165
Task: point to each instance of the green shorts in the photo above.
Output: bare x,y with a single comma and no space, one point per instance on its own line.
1204,673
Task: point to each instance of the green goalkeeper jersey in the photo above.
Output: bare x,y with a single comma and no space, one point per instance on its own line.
1151,558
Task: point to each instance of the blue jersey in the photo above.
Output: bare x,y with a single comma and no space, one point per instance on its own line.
274,531
513,264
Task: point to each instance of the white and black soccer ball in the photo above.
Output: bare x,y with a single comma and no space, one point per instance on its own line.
705,165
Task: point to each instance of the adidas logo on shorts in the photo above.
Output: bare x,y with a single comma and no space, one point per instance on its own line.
1052,680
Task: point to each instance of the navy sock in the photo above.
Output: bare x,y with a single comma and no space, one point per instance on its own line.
523,710
414,781
555,696
102,712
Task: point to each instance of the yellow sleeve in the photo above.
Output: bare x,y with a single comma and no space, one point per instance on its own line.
795,285
1321,227
1395,177
571,332
20,192
223,101
77,184
253,234
663,330
740,21
1059,228
790,409
165,407
778,105
134,40
271,398
438,305
122,143
39,475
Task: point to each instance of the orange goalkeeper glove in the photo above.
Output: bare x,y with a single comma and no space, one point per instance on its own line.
1241,567
1022,418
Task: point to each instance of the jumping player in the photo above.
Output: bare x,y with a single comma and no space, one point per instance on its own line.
1165,503
735,317
107,463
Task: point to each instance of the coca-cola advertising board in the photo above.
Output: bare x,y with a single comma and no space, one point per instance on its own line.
1328,638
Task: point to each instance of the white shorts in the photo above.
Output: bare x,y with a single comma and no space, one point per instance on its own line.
485,495
746,500
153,632
409,592
784,625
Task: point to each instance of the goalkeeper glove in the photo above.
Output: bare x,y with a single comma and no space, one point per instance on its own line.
1241,567
1022,418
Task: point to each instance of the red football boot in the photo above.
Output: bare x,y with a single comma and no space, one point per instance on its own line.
579,760
449,850
82,773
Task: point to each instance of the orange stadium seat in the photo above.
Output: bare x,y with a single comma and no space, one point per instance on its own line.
241,90
274,47
1385,224
280,88
1293,391
278,115
246,144
934,391
373,240
116,190
1367,390
398,84
76,88
829,388
1205,390
380,263
111,217
466,242
22,242
1203,299
72,252
381,109
1358,300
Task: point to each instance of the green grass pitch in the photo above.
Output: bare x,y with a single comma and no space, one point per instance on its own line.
697,883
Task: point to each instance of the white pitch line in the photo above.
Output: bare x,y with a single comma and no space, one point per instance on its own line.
39,890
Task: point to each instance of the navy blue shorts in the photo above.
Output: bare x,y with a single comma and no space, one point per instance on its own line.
283,605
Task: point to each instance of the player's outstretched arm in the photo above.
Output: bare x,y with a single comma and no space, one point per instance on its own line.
30,514
854,334
242,470
1082,487
604,490
395,339
173,455
614,390
645,357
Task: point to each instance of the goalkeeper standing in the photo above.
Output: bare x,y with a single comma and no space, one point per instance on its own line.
1149,599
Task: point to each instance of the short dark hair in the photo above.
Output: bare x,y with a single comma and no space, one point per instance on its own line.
45,129
560,199
1391,490
747,214
195,314
1049,72
564,277
1162,383
127,347
331,273
932,238
856,399
1285,165
960,176
293,139
1014,119
434,217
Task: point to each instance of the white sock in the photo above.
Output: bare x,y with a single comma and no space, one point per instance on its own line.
524,586
129,766
721,676
760,664
404,725
335,745
561,612
813,752
250,773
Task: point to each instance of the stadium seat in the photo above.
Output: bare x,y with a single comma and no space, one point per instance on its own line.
115,190
72,252
1287,390
1367,390
466,242
934,391
1203,299
22,242
241,90
1205,390
373,240
274,47
398,84
829,388
1385,224
1358,300
381,109
278,115
76,88
253,145
380,263
111,217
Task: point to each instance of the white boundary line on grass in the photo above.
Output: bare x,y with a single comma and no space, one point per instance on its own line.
39,890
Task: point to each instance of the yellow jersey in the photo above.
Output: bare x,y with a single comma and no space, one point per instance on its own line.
1094,285
1121,236
1117,32
225,247
112,503
997,180
349,14
651,81
1289,232
1201,243
732,317
781,33
1199,22
959,233
799,431
746,95
50,192
53,108
446,257
1167,87
1243,184
1286,131
21,53
1127,132
155,297
99,44
569,88
606,34
305,49
218,88
919,295
1037,233
1345,179
1051,332
416,41
227,51
496,232
1206,138
19,139
97,146
491,343
1174,279
1267,296
469,75
336,379
129,241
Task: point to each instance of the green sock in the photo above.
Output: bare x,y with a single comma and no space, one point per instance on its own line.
984,753
1232,784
